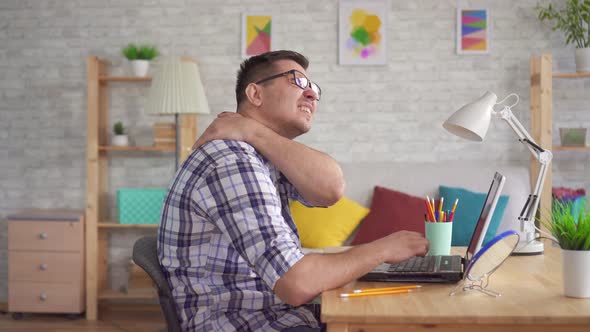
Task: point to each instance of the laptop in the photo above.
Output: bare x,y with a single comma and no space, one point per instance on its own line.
443,269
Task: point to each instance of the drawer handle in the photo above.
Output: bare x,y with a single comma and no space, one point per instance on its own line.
43,297
43,236
43,267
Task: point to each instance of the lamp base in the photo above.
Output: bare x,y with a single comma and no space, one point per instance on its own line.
526,248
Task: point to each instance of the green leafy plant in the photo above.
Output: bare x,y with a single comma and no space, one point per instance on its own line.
571,231
141,52
573,20
118,128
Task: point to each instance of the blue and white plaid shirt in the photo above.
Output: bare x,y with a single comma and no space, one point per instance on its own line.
226,237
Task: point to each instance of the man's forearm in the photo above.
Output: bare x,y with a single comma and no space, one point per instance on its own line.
317,176
315,273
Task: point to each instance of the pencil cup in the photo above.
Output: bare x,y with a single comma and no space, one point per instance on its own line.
439,236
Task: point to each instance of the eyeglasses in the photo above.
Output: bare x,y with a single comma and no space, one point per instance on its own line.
298,79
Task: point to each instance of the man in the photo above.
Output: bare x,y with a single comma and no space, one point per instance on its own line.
227,241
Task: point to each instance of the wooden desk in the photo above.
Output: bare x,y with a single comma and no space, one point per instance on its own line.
532,300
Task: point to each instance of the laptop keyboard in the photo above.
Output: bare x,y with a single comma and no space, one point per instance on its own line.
415,264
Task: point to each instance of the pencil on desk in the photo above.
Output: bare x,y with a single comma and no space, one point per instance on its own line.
391,292
382,289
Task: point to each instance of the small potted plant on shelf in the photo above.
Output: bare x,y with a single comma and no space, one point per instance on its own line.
140,57
570,225
574,21
120,138
572,136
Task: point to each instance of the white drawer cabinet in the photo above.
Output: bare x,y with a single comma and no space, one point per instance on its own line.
46,262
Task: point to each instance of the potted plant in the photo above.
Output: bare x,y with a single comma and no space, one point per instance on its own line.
574,21
572,136
140,57
120,138
571,228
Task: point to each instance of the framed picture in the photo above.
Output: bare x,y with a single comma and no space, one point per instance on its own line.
256,34
362,32
473,31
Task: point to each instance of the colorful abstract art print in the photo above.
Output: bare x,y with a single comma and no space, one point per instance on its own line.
256,34
362,32
473,31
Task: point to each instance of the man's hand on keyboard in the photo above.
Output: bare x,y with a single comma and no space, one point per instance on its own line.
400,246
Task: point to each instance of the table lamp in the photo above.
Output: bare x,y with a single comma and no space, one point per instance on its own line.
471,122
177,89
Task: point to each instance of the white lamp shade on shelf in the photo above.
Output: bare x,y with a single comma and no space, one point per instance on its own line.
472,120
177,89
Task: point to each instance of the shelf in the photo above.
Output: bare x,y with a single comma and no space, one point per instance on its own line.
124,79
113,225
110,294
571,148
98,82
134,148
571,75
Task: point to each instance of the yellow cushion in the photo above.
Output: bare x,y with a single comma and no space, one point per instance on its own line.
327,227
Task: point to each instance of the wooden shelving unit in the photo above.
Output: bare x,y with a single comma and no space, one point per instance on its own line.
114,295
124,79
542,115
97,155
571,148
570,75
114,225
134,148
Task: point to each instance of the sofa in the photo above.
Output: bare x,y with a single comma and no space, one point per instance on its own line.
421,179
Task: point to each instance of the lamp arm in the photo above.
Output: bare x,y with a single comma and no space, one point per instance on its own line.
543,156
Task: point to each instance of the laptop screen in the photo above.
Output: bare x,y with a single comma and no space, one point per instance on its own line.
485,216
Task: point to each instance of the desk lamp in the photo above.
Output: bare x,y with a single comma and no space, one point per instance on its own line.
471,122
177,89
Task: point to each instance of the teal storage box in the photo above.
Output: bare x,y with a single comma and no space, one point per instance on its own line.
140,206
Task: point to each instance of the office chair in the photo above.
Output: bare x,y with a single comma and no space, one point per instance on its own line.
146,256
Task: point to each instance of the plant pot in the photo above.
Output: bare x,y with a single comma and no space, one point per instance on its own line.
120,140
583,59
140,67
572,136
576,269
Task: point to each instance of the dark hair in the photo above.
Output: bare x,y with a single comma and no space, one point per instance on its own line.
260,66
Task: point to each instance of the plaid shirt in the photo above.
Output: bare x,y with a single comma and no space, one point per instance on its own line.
226,237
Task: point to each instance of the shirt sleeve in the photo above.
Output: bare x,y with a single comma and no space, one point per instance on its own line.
247,209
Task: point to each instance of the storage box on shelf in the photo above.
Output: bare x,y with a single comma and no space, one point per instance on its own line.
165,135
97,189
140,205
46,262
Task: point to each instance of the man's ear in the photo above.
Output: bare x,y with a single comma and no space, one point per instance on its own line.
254,94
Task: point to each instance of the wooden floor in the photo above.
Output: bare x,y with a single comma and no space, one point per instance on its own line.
113,318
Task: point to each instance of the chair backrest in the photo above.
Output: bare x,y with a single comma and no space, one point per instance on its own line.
145,255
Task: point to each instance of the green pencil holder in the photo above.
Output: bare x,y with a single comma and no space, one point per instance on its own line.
439,235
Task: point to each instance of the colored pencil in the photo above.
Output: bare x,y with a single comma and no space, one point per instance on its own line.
391,292
382,289
455,205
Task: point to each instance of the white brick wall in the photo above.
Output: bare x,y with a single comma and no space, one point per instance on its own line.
384,113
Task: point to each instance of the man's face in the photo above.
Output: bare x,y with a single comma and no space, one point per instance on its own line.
288,108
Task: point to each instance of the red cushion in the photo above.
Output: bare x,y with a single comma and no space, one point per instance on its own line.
391,211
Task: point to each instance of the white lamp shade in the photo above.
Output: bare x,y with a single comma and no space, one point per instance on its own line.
177,89
472,120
